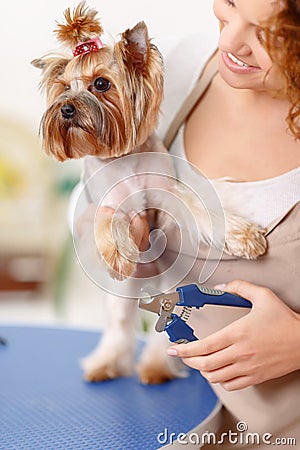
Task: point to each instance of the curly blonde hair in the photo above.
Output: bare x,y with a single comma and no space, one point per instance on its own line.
283,44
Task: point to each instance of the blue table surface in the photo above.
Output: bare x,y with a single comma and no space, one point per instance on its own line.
45,403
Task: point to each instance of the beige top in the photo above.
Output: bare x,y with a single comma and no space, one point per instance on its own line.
273,406
264,200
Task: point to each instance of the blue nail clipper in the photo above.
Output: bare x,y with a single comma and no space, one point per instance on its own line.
189,296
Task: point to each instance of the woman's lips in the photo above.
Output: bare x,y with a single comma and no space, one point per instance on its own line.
237,66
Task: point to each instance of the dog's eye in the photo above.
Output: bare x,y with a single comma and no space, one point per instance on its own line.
101,84
67,87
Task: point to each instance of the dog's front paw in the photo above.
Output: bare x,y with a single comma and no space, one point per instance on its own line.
117,248
121,266
246,240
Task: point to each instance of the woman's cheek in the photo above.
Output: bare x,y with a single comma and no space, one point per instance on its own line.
263,60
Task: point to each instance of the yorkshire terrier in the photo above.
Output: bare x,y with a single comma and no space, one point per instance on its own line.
103,105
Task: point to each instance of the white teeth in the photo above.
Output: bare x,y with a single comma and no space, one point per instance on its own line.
236,61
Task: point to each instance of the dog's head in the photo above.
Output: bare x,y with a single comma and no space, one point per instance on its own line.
104,100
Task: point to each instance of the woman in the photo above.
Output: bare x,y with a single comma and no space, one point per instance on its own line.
253,103
244,128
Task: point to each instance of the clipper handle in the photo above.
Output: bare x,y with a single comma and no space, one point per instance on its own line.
194,295
179,331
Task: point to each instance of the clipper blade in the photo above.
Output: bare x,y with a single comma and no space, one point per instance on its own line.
147,294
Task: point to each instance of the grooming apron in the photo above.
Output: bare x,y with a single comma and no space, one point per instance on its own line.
273,406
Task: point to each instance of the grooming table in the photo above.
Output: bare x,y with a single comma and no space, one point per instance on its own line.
45,403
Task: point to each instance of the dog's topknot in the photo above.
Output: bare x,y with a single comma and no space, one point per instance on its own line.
80,26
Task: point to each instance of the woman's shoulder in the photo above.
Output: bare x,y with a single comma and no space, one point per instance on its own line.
184,59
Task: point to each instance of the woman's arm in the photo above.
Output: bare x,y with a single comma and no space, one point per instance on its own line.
263,345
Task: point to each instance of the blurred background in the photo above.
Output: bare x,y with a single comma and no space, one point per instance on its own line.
41,281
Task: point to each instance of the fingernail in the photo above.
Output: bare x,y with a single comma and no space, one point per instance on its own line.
221,287
172,352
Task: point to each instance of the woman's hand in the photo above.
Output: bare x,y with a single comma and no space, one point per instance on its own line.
262,345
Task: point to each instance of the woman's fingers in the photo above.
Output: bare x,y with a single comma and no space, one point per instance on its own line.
211,344
213,361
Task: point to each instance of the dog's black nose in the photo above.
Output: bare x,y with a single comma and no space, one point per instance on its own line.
68,110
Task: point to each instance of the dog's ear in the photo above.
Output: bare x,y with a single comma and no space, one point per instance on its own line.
135,44
51,64
52,67
39,63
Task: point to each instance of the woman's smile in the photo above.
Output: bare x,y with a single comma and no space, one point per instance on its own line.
236,65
